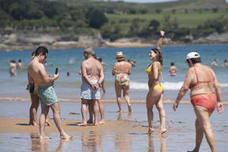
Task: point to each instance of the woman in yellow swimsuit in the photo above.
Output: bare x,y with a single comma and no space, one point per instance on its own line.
156,90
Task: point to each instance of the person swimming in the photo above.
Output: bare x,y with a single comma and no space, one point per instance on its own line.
172,69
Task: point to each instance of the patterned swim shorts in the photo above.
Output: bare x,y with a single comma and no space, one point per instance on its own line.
47,95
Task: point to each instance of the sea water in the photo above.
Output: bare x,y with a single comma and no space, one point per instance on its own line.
70,61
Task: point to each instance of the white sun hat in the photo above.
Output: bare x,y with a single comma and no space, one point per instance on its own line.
192,55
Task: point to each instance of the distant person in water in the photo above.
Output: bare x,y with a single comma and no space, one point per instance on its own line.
19,64
92,75
103,63
156,90
132,62
214,62
121,70
225,63
205,92
172,69
37,74
33,88
68,74
12,68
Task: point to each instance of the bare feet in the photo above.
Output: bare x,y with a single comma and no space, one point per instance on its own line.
162,131
101,122
82,124
47,123
119,111
44,138
34,123
90,121
66,137
194,150
150,130
95,123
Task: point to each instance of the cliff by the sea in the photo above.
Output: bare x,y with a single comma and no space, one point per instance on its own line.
30,40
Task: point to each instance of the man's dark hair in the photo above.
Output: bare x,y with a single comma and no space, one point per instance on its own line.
41,50
172,63
195,60
19,60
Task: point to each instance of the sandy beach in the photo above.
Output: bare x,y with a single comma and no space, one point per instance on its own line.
119,133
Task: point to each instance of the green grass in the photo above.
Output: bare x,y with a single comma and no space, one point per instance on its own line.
189,20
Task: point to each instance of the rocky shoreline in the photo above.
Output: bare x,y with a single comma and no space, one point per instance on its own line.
31,40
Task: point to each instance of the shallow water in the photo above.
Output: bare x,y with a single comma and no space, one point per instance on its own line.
70,61
180,137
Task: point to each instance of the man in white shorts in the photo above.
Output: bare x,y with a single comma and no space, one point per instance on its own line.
92,77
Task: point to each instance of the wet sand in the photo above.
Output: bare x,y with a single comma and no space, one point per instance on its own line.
127,133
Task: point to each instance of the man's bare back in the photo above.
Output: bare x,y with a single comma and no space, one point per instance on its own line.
91,70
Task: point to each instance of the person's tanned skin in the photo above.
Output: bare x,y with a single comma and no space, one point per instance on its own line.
38,74
155,95
122,67
91,69
202,123
35,104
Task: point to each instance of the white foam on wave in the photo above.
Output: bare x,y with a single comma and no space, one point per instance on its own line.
224,85
166,85
71,61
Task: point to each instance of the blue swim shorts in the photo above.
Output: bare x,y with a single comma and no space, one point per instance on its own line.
47,95
88,93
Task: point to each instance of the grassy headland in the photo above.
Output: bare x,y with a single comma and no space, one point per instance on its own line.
183,20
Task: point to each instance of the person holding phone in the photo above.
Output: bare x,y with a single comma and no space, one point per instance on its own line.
37,73
33,89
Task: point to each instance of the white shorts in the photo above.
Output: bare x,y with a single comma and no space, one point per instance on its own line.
88,93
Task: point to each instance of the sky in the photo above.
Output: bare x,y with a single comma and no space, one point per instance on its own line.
149,1
145,1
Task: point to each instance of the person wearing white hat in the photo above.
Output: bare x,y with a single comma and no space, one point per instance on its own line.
121,70
205,90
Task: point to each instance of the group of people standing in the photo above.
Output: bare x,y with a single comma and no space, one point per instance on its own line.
200,79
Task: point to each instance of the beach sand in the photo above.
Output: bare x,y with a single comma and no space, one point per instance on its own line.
127,133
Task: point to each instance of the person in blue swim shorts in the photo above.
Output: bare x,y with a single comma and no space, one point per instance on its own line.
46,92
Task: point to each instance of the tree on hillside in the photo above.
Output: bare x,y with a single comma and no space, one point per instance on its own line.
96,18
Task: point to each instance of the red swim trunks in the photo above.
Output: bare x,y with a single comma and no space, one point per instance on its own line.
205,100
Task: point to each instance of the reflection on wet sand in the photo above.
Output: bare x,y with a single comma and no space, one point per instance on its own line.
91,142
42,145
122,142
162,143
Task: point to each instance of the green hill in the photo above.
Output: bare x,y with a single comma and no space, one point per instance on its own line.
115,19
